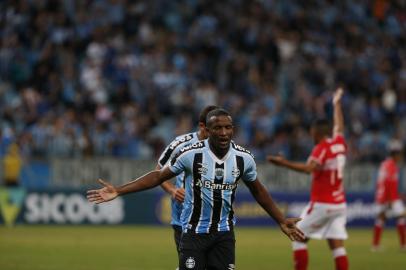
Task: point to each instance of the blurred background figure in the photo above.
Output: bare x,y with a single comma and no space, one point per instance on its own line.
12,164
388,199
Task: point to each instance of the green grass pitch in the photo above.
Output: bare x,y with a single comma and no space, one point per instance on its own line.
152,248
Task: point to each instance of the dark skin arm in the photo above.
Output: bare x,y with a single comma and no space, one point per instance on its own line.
147,181
287,225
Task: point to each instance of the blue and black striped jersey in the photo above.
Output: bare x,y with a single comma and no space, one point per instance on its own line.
210,185
167,155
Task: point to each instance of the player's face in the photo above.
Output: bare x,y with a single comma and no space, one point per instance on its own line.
220,130
313,133
398,157
317,134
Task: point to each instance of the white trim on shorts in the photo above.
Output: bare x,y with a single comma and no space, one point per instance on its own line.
392,209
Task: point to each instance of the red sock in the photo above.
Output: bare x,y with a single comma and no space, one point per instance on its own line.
301,259
401,226
340,258
300,255
378,228
341,262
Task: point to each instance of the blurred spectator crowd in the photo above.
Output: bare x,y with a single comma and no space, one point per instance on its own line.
82,78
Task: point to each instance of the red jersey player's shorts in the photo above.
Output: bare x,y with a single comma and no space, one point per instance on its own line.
392,209
324,221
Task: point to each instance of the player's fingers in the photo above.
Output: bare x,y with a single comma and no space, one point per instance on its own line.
181,194
93,197
296,220
101,181
179,198
99,201
93,191
300,235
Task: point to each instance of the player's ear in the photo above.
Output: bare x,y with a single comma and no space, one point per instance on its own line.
207,128
202,126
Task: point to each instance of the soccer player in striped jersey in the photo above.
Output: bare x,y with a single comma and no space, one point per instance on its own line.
325,216
212,168
177,190
387,197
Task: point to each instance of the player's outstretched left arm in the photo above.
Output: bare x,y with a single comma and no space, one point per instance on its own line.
279,160
147,181
287,225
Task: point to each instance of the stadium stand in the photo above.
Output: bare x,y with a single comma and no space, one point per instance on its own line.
117,78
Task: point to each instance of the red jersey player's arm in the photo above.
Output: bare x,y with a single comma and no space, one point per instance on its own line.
287,225
338,113
308,167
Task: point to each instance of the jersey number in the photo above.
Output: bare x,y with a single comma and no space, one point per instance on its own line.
340,165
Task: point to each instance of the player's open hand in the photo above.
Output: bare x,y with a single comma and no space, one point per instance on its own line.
179,194
290,229
277,160
105,194
338,94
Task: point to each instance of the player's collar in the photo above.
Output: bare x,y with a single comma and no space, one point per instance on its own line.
215,158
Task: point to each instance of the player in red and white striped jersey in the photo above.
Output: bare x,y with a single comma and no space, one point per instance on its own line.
387,197
325,215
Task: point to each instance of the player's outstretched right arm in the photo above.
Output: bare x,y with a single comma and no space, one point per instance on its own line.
338,112
287,225
147,181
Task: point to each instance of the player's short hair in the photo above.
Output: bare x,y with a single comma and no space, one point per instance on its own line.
322,125
205,111
216,113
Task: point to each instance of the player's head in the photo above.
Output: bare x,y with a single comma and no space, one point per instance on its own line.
395,149
320,129
219,126
202,119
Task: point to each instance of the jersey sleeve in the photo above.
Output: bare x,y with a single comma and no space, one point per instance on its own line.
339,139
250,172
318,154
179,163
169,153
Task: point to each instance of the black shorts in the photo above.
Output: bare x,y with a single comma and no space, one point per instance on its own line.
177,233
207,251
